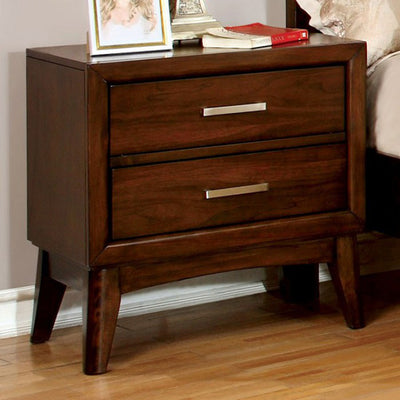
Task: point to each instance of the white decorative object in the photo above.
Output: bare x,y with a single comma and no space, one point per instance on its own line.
190,19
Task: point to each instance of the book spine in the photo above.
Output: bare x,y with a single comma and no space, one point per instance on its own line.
289,37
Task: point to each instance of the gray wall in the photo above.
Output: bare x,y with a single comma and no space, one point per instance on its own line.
46,23
239,12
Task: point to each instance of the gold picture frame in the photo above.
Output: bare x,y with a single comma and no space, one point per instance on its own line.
128,26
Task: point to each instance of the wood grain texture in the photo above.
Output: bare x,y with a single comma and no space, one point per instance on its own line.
230,238
162,115
128,160
279,253
356,123
345,274
101,301
257,348
97,147
319,185
185,62
56,159
162,198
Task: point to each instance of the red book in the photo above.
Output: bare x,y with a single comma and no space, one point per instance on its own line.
252,35
278,35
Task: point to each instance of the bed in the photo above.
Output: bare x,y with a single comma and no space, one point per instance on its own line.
383,97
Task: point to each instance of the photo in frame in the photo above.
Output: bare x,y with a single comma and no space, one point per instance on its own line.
128,26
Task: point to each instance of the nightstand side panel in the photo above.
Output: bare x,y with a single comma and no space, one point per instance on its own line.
56,153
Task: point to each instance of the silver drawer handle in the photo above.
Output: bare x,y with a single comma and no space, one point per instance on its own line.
240,108
236,191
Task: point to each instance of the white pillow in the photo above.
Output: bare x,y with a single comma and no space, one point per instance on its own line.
375,21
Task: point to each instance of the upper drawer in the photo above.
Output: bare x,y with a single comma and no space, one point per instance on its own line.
165,115
181,196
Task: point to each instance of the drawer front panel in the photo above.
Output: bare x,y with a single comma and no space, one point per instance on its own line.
188,195
196,112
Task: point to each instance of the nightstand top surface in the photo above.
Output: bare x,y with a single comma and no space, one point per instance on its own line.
77,56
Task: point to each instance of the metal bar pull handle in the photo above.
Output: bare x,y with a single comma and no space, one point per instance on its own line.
236,191
240,108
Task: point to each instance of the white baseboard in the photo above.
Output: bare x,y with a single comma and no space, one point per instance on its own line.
16,311
16,305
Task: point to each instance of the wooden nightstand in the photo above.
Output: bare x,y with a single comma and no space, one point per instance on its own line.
147,169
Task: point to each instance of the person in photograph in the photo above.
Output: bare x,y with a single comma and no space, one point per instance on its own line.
129,22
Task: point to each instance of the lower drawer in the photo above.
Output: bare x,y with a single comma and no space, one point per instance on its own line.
188,195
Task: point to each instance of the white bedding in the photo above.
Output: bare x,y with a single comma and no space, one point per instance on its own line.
383,106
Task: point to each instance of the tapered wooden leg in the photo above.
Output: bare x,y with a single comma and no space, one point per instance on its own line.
300,283
101,303
345,274
48,296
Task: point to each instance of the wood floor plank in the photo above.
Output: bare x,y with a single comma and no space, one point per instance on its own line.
250,348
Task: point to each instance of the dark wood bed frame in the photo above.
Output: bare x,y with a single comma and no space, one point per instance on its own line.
380,246
295,16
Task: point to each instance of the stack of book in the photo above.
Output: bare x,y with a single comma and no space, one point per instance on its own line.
252,36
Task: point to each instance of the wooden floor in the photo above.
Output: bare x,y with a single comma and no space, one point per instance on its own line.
251,348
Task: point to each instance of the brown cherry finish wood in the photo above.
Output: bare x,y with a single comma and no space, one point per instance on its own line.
311,180
47,300
101,297
138,110
118,168
345,273
296,17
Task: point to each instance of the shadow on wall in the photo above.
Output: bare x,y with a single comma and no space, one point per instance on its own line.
22,257
276,12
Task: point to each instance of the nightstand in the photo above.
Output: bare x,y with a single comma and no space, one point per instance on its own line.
148,169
